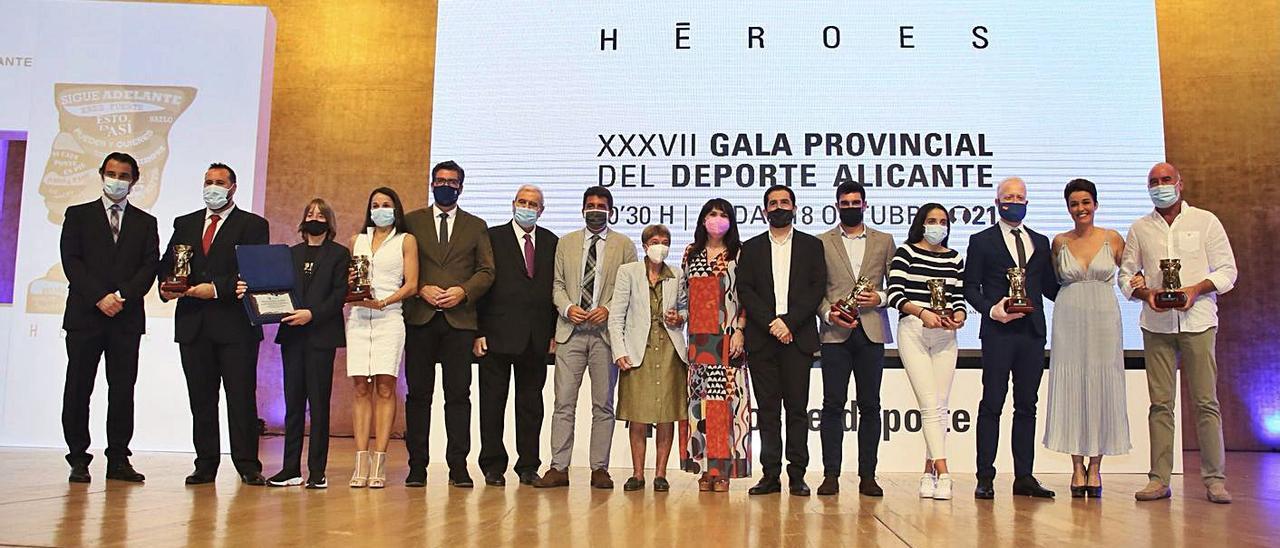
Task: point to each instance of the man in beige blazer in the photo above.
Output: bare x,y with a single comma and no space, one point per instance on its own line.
586,267
455,269
856,348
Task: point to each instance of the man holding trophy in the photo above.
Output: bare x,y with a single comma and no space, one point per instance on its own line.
854,329
1189,250
1009,272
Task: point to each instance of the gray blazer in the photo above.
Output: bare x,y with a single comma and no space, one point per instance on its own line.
566,289
840,280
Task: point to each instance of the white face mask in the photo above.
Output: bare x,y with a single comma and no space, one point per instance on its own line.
657,253
116,189
934,234
216,197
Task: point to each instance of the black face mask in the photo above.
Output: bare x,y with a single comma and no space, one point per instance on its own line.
595,218
851,216
314,227
780,218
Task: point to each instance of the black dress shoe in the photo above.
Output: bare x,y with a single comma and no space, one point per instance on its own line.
830,486
985,490
79,473
254,479
123,471
1029,486
495,479
462,479
868,486
798,487
527,478
766,486
417,477
199,478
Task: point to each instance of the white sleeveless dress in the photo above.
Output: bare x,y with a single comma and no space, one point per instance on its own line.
375,338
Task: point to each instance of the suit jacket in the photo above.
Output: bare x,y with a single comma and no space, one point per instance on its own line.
567,288
465,261
223,319
755,290
96,266
630,316
324,297
840,280
985,282
518,309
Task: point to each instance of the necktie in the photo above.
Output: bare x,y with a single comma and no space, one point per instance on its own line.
115,222
210,231
528,255
589,275
1022,251
444,228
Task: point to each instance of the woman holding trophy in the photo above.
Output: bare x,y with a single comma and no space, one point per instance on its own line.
1087,415
926,282
384,273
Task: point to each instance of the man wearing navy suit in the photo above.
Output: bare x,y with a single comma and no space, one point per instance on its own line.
1012,343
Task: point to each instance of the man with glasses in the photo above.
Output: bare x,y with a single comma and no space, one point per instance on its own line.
455,269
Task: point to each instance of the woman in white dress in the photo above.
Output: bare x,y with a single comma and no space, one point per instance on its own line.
375,331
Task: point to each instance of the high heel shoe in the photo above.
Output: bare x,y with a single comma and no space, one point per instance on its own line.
1093,491
1079,491
705,483
378,474
360,477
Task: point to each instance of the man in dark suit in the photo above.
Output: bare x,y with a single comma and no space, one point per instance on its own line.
109,252
517,331
1012,342
216,341
782,277
455,269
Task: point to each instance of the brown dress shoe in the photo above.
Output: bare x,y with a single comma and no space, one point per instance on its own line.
600,479
553,478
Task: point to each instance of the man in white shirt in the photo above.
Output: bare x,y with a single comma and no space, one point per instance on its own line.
1176,230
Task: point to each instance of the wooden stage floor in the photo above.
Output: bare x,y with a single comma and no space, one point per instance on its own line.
39,508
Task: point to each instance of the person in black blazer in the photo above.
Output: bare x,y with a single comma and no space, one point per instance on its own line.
309,339
109,252
212,329
517,330
1012,343
782,337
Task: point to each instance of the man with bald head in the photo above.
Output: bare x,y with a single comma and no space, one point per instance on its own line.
1176,230
1012,342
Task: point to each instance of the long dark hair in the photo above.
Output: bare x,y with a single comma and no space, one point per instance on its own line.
330,221
916,233
395,199
731,241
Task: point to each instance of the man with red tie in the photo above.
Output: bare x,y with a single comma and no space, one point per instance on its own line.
214,336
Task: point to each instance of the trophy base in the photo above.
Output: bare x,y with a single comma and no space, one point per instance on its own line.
355,296
1170,299
846,313
1019,306
944,313
175,285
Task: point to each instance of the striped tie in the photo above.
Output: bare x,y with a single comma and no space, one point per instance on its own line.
589,275
115,222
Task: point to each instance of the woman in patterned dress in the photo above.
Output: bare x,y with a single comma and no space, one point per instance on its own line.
718,434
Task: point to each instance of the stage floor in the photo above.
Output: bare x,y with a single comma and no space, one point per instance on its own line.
39,508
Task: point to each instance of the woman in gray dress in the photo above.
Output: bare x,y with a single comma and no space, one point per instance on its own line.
1087,415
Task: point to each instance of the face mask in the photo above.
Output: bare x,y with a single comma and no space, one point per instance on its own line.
115,188
657,253
1013,212
851,216
215,197
383,216
717,226
446,195
595,218
1163,195
934,234
314,227
780,218
525,217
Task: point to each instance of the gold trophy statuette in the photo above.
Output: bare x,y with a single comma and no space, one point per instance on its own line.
1170,281
1018,302
177,280
938,297
847,307
360,288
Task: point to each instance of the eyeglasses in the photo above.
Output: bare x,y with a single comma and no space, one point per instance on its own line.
455,183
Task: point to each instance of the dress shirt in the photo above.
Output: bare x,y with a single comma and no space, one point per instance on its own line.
781,253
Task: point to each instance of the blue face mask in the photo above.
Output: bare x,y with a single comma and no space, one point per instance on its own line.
382,216
935,234
1163,195
216,197
115,188
525,217
1013,212
446,195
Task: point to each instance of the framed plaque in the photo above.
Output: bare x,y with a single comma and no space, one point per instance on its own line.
268,271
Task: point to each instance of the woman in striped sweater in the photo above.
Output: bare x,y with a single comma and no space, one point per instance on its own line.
927,333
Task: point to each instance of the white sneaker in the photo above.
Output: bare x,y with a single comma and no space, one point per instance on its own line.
927,486
942,491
